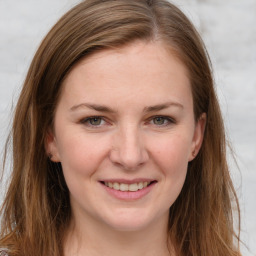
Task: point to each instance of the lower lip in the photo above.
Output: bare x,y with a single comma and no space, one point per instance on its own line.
129,195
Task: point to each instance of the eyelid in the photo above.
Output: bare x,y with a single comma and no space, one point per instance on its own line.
85,121
170,120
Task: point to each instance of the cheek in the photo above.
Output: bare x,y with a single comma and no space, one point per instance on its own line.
172,151
171,155
80,159
80,155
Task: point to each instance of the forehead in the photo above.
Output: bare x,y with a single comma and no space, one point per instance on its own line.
139,68
148,53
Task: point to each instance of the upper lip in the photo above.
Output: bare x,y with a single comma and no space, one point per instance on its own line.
128,181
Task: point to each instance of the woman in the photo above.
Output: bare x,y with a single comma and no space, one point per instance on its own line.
118,140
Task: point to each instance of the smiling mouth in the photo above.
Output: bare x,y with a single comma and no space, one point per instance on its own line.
133,187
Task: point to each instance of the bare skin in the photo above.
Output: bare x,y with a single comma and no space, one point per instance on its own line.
124,133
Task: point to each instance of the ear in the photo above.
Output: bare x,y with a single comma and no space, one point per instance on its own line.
51,147
198,136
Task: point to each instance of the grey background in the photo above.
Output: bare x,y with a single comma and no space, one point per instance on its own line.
228,28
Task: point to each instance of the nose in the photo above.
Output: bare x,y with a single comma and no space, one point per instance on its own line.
128,149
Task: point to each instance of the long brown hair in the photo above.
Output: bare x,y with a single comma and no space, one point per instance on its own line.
36,209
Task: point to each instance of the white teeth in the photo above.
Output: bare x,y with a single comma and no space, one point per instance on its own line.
127,187
140,185
116,186
123,187
133,187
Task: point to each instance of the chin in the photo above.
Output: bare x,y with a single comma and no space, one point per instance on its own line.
131,226
130,221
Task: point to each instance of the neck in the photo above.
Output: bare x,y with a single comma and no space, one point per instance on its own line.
94,239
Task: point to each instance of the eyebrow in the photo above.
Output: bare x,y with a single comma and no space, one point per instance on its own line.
102,108
99,108
162,106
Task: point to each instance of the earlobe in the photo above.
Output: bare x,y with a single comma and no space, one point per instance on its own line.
51,147
198,136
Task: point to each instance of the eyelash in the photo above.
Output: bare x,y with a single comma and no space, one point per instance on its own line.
87,121
166,119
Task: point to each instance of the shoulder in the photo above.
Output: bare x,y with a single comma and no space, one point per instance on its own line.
3,252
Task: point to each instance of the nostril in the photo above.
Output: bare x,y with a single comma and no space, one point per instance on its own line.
128,150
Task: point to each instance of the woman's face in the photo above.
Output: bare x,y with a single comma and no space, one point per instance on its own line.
124,133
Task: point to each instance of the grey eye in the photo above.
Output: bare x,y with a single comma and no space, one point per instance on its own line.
159,120
95,120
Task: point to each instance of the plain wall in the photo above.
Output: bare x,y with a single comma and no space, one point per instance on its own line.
228,28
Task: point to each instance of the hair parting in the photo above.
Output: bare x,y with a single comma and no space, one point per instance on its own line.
36,210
